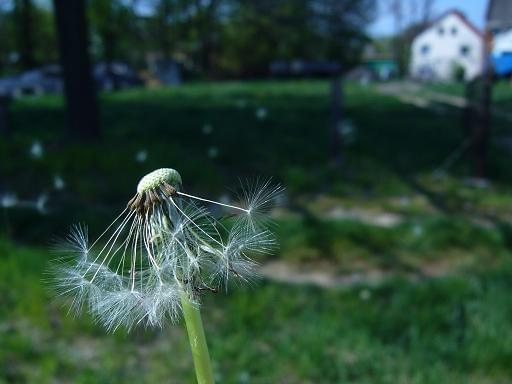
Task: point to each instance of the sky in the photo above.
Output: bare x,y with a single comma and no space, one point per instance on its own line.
473,9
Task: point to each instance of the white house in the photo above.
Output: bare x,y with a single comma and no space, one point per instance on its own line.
451,45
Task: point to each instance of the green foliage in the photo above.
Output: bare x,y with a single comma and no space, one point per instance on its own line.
211,38
28,34
112,32
459,73
409,246
264,31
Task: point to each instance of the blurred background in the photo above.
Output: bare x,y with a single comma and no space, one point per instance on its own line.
387,121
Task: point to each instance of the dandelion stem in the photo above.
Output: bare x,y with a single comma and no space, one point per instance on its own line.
197,340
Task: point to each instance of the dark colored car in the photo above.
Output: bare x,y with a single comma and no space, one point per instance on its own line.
48,80
115,76
40,81
7,86
44,80
300,68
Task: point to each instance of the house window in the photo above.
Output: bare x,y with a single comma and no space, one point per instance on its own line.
440,30
453,31
425,49
465,50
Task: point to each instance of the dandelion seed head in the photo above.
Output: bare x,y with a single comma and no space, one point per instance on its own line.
162,246
158,177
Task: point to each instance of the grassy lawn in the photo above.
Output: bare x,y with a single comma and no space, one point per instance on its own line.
390,160
454,329
501,94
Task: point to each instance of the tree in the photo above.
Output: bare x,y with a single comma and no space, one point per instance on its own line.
257,33
82,110
24,11
162,26
109,21
28,32
410,18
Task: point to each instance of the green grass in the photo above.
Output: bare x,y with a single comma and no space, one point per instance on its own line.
454,330
392,142
405,247
501,93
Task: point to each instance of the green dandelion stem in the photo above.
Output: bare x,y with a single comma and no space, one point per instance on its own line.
197,341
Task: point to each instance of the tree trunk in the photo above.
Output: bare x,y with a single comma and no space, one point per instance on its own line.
109,49
165,44
79,89
5,126
24,12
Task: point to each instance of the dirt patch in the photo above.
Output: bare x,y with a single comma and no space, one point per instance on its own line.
325,276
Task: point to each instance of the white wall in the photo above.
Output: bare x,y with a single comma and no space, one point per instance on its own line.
502,43
444,50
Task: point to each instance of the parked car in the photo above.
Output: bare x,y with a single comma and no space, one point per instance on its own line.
49,80
44,80
301,68
7,86
116,76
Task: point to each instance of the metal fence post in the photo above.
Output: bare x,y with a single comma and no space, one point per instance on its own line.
336,119
5,128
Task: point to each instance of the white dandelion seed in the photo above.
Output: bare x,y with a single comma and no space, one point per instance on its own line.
141,156
261,113
241,103
365,294
417,230
8,200
207,129
36,150
58,183
258,197
40,204
213,152
161,246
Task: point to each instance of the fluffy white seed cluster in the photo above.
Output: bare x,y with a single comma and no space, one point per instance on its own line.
161,246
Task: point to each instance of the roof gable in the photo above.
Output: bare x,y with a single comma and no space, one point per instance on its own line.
499,14
459,15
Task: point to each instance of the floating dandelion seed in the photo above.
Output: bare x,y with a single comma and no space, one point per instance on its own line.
417,230
141,156
36,150
241,103
40,204
58,183
365,294
213,152
8,200
161,247
347,130
207,129
261,113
